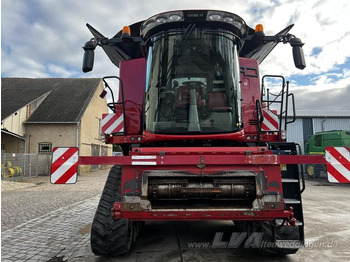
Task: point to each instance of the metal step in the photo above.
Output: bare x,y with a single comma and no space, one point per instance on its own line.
298,222
291,201
289,180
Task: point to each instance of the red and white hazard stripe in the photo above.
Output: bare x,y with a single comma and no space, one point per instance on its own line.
112,123
270,122
338,164
64,165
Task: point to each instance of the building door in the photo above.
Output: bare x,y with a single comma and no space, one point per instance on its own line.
308,130
104,152
95,151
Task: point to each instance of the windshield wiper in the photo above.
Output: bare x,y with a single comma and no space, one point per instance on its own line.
178,51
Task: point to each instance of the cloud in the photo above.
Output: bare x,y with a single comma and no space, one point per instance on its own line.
44,38
320,24
337,99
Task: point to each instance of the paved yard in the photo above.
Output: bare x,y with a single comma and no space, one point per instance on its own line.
44,222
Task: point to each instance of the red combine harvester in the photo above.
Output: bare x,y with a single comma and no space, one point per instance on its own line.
201,139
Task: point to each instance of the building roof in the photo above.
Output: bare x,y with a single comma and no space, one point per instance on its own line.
19,92
323,113
67,100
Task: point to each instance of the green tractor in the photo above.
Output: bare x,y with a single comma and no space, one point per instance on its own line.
317,144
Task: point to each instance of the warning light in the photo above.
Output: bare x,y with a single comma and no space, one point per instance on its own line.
103,94
259,28
126,32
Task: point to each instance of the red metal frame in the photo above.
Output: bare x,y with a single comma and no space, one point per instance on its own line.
199,161
263,215
212,159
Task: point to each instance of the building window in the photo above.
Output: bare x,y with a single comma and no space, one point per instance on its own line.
45,148
318,140
28,112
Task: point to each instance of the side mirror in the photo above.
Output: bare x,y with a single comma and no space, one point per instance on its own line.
89,55
298,53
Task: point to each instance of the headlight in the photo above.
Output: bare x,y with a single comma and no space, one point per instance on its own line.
215,17
197,16
176,17
226,17
161,19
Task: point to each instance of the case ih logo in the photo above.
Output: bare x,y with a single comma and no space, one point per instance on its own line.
64,165
112,123
338,164
195,15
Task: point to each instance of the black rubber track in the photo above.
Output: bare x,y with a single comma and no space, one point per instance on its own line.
110,236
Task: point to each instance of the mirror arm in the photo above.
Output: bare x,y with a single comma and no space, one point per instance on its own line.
90,45
296,43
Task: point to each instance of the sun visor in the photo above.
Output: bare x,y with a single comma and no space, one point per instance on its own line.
118,52
261,51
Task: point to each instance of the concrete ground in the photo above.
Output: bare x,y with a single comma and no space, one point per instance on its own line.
44,222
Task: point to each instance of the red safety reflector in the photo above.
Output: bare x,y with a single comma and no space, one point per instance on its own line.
270,122
64,165
112,123
338,164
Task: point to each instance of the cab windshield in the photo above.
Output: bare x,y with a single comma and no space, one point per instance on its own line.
190,85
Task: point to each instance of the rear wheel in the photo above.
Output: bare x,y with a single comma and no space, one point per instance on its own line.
110,236
288,235
313,171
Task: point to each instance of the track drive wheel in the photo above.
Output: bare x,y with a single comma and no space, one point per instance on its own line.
267,242
110,236
283,233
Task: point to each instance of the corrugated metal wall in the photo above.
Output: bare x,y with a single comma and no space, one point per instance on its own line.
300,130
295,132
308,129
327,124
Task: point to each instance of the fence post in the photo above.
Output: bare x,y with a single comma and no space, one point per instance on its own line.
3,163
30,166
37,166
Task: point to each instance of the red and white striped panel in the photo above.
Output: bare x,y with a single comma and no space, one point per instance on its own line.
64,165
112,123
338,164
270,122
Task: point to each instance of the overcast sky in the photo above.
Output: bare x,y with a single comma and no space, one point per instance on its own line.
44,38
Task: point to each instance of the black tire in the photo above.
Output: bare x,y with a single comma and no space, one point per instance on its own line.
110,236
267,246
285,232
313,171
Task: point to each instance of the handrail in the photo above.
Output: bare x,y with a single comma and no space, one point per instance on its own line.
301,171
111,105
259,117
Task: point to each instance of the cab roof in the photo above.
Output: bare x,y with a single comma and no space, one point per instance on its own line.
254,48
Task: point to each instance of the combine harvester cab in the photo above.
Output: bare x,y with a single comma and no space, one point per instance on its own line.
201,139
